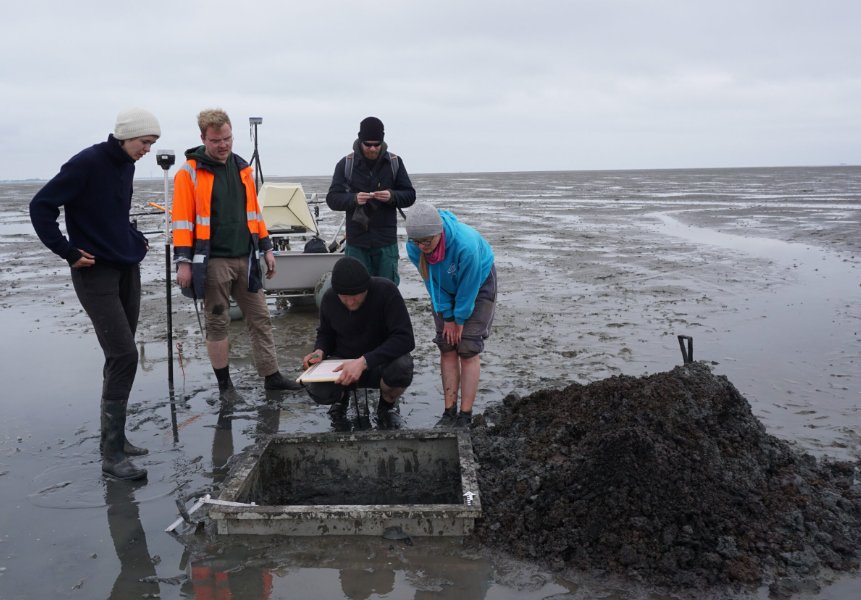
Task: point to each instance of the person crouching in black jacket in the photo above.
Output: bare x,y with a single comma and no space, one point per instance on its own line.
365,320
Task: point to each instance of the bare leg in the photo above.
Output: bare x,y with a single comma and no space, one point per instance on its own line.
449,365
218,353
390,394
470,369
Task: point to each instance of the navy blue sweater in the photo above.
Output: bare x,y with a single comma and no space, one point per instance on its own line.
95,189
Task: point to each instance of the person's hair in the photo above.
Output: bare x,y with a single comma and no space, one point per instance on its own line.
212,117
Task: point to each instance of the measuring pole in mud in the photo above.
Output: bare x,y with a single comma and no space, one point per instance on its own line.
166,159
253,122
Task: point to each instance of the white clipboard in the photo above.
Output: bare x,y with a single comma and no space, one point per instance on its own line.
323,371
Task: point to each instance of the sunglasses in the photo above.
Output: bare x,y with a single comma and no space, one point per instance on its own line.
372,144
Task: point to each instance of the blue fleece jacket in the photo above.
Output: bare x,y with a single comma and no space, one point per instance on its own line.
95,189
453,283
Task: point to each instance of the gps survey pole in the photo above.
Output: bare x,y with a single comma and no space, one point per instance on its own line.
166,159
253,122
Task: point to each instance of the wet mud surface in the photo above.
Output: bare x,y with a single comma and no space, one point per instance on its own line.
599,273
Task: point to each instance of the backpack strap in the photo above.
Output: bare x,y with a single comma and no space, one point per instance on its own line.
396,165
348,170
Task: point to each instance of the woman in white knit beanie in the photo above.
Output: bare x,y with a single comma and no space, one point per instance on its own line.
104,251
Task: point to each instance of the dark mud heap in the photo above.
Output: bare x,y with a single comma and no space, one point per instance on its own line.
667,478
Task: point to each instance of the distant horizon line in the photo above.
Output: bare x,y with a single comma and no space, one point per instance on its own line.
839,165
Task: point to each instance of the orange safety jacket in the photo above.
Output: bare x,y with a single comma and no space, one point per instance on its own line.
192,206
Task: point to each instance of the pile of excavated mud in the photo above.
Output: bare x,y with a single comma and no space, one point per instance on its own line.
669,479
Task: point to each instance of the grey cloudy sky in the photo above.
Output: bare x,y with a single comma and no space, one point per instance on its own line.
461,85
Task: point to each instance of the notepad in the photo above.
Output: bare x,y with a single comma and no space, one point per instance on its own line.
321,372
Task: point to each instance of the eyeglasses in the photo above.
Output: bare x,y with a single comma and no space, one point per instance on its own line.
423,241
372,144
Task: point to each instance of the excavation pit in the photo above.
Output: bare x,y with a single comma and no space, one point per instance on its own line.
421,481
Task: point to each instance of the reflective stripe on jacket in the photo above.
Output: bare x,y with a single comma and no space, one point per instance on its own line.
192,211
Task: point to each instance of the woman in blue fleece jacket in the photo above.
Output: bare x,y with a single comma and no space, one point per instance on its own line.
104,252
456,264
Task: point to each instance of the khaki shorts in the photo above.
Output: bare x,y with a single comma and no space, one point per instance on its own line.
476,329
226,278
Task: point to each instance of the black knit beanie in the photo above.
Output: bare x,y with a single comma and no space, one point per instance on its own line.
371,130
350,277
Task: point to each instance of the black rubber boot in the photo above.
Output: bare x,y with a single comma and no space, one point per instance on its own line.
448,419
132,450
338,412
277,381
388,415
114,460
229,396
129,448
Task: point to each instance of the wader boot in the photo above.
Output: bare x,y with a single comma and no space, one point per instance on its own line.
388,415
129,448
114,460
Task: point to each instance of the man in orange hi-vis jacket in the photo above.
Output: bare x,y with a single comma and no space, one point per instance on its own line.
218,236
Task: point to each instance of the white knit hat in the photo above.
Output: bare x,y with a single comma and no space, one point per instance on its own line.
136,122
423,221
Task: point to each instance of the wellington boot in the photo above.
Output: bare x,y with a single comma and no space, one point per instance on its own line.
229,396
338,413
132,450
390,419
388,415
129,448
114,460
123,469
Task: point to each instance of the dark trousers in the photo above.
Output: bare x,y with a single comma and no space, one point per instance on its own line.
111,295
398,373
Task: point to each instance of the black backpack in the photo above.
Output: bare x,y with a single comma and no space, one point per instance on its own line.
315,245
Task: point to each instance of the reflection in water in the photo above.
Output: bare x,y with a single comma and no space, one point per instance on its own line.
268,417
137,577
216,579
360,584
222,443
363,568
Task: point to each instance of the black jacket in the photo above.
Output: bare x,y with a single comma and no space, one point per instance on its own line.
380,330
382,229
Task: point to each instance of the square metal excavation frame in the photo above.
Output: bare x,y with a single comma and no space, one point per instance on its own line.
423,481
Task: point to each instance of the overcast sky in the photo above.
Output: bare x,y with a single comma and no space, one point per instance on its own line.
461,85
